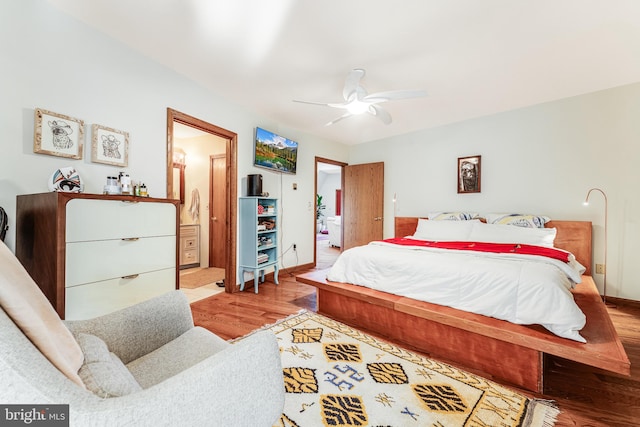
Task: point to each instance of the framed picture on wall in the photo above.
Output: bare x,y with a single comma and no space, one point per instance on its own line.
58,135
109,146
469,174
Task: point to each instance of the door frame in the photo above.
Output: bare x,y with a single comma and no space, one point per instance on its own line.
315,192
231,182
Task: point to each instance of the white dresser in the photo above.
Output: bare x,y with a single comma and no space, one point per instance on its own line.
94,254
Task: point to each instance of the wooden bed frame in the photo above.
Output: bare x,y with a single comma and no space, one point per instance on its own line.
490,347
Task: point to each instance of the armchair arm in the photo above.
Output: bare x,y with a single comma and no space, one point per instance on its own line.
138,330
241,385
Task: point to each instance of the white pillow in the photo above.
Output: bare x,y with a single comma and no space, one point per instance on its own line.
452,216
519,220
444,231
499,233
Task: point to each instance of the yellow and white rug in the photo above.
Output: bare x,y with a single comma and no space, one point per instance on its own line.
336,375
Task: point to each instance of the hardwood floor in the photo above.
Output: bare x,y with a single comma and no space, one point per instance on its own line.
233,315
325,253
586,396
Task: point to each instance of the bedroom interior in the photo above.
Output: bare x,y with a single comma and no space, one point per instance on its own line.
551,113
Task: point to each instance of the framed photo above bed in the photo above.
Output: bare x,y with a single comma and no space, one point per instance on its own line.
469,174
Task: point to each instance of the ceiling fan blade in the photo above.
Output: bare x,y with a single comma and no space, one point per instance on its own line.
344,116
312,102
380,113
324,104
352,83
393,95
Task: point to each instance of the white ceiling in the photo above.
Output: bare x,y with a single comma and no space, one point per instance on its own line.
473,57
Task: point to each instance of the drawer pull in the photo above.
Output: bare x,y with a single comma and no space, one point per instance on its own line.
131,276
130,201
130,239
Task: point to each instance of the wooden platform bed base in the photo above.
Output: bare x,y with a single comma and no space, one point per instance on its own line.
490,347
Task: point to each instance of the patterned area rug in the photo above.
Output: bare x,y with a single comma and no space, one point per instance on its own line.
338,376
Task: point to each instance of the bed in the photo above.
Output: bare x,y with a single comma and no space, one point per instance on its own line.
476,341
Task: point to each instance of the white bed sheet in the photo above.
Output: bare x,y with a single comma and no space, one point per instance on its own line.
521,289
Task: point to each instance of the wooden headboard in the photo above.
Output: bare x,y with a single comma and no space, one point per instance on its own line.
572,236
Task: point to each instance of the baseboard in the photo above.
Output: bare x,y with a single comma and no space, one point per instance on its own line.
620,302
292,271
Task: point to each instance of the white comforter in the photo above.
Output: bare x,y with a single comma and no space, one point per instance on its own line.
521,289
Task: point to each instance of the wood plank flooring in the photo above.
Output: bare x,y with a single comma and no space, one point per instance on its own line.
233,315
586,396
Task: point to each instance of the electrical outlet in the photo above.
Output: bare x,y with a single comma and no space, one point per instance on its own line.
294,246
600,268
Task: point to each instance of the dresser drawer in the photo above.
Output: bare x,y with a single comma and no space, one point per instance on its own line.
189,257
189,230
88,219
99,298
188,243
109,259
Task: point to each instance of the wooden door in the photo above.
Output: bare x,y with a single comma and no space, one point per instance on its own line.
217,211
362,216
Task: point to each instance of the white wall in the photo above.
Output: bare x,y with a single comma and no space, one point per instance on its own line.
328,183
51,61
542,159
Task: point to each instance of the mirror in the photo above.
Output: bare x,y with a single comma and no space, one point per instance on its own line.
178,182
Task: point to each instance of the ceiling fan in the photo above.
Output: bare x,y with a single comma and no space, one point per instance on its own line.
357,101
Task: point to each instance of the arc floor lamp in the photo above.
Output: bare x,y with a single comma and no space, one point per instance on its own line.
606,208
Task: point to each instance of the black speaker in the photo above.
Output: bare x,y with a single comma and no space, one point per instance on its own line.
254,185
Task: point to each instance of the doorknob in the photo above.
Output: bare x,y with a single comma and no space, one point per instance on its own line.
378,218
213,218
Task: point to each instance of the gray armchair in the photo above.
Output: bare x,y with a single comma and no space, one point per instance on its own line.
183,375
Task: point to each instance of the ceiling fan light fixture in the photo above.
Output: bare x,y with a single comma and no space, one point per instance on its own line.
358,107
357,101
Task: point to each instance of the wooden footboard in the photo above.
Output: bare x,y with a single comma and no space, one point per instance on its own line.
492,347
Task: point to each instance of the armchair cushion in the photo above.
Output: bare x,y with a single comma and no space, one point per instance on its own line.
187,350
102,371
26,305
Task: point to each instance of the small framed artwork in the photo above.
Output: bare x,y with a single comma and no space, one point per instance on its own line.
469,174
109,146
58,135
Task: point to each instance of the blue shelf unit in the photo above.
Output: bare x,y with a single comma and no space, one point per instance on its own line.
259,225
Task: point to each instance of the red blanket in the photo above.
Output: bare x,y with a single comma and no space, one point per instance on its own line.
502,248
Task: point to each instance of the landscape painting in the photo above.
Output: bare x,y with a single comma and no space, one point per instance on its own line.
275,152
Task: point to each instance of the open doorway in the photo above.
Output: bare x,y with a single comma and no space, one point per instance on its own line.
201,172
202,272
329,206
